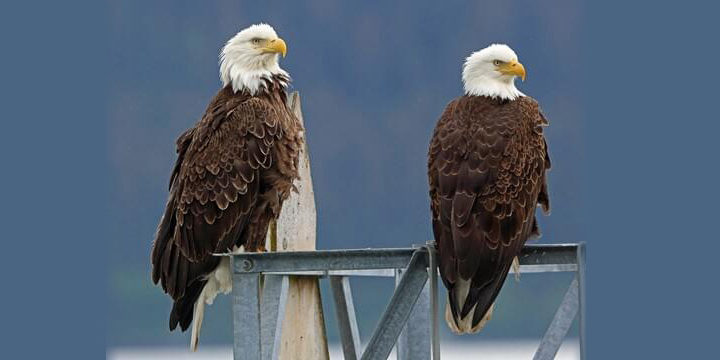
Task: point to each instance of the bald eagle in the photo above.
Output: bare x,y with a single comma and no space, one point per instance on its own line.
486,167
234,169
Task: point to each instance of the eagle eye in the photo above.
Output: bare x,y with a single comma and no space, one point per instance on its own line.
255,40
497,62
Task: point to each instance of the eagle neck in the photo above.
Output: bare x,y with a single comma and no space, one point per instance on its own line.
266,87
253,77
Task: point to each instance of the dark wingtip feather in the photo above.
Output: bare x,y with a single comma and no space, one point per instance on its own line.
182,311
162,238
453,305
470,301
174,319
544,199
478,316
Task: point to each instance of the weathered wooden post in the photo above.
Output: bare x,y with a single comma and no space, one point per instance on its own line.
303,330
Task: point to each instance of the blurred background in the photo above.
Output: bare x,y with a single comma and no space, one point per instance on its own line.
94,95
373,77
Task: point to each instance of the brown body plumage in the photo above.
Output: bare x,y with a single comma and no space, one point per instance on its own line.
234,169
486,168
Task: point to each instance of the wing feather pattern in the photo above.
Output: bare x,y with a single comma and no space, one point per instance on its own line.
223,191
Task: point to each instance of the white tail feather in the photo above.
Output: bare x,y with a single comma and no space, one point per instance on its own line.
464,325
198,314
218,281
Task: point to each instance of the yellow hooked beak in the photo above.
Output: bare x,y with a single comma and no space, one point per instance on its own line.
276,46
512,67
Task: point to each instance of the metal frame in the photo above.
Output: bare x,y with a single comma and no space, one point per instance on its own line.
260,286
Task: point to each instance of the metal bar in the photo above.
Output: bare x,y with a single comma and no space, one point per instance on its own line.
371,262
560,324
345,314
581,296
400,346
246,317
548,254
525,269
368,272
360,272
399,308
273,301
361,259
414,340
433,273
327,260
545,268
